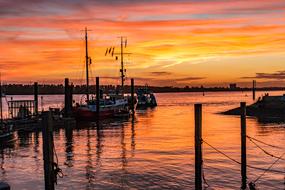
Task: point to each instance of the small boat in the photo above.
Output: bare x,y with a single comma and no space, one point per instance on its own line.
146,98
111,105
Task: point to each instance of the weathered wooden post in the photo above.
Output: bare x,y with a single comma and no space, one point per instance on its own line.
198,146
47,130
133,96
243,143
36,93
67,98
1,105
253,89
97,98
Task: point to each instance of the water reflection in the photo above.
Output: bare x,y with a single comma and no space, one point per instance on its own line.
2,162
25,138
36,145
69,146
152,150
133,137
89,167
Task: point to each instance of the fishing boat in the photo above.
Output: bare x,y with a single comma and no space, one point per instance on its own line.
110,105
146,98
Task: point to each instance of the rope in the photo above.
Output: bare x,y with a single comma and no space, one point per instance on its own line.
268,169
269,154
222,153
204,178
251,138
203,173
249,166
57,171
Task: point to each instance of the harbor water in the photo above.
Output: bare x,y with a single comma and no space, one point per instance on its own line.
155,150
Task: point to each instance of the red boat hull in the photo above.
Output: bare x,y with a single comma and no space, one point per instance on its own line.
88,115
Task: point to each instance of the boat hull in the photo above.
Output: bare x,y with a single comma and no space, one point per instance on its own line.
90,115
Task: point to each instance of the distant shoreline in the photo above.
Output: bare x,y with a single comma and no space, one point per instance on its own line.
18,89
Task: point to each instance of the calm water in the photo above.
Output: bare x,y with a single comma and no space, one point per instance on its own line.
155,151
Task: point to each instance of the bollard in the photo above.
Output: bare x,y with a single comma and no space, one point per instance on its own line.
243,143
48,146
198,146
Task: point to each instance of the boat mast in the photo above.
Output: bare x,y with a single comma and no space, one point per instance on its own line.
122,64
87,64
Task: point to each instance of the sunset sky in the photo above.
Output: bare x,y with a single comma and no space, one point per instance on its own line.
191,42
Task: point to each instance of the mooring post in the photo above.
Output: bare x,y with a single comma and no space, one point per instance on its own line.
97,98
67,98
133,96
48,146
36,93
243,143
253,89
1,105
198,146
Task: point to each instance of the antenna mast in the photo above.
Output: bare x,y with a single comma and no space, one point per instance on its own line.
111,50
122,64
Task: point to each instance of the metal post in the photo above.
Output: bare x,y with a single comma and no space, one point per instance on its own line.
132,96
47,130
97,97
253,89
36,92
198,146
243,143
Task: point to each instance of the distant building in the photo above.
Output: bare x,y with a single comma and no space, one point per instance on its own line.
233,86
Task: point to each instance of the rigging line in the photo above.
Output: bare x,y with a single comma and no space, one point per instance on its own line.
262,169
221,152
249,166
269,154
263,142
268,168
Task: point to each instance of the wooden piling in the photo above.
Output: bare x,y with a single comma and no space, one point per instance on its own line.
1,104
243,144
67,98
198,146
47,129
253,89
97,98
36,93
133,96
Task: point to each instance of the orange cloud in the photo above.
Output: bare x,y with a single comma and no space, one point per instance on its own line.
43,41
